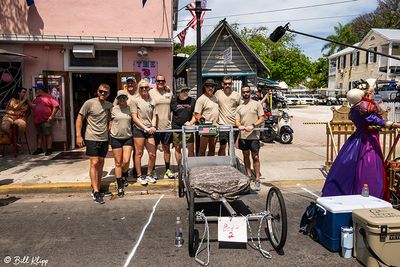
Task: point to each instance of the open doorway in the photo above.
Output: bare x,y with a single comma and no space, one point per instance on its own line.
85,85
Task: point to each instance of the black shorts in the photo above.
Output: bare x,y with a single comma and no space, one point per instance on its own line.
163,138
118,143
249,144
224,136
139,133
96,148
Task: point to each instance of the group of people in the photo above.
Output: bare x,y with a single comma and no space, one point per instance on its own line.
138,116
44,108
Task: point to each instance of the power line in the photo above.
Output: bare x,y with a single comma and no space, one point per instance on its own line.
290,20
279,10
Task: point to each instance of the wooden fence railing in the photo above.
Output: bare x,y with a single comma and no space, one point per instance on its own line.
339,129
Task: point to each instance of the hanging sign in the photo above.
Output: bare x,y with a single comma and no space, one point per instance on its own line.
148,69
232,229
228,55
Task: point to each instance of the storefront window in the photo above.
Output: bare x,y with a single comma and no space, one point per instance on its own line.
10,80
103,58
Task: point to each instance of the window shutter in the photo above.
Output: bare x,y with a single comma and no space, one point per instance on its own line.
375,55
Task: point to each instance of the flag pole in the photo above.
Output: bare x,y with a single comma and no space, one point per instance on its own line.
198,10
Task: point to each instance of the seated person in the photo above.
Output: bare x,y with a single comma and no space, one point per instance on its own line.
16,112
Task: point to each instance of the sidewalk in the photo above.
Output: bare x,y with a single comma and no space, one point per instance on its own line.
280,164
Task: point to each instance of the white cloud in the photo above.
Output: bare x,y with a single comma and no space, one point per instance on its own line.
319,27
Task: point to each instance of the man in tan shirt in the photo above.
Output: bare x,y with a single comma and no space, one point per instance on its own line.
250,115
206,109
161,96
228,101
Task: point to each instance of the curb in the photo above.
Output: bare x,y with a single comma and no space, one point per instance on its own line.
161,185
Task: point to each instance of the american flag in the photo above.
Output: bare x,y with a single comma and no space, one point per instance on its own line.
182,36
193,22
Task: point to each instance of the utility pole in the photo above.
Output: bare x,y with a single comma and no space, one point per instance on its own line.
198,10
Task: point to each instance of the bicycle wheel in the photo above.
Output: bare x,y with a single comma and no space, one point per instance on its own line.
277,225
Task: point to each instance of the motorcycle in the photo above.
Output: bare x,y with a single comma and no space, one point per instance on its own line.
278,127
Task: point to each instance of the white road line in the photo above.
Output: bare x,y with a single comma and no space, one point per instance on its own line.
128,260
308,191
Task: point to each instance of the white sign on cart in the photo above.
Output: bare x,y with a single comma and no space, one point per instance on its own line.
232,229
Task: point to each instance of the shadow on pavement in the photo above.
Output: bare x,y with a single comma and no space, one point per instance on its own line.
7,201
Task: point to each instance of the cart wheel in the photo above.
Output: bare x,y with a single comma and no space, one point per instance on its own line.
181,192
193,233
277,225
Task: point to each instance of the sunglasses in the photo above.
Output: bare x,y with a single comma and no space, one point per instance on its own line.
103,92
227,83
122,97
160,81
245,92
146,88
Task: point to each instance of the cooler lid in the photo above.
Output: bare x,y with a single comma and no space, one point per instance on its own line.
377,217
348,203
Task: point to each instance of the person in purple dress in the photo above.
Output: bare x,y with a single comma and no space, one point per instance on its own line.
360,160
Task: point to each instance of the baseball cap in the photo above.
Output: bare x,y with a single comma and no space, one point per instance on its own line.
122,93
210,82
131,79
39,86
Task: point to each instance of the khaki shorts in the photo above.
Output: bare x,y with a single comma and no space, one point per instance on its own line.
177,138
44,128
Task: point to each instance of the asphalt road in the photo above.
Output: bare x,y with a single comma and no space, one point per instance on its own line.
71,230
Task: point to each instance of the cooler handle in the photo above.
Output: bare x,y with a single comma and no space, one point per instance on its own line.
322,208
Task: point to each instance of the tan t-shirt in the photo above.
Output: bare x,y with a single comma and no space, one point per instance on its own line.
248,114
208,108
144,110
227,106
97,115
121,122
162,107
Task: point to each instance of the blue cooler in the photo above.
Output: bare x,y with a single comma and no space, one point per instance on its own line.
335,212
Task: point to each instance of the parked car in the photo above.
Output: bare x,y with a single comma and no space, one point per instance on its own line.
306,100
292,99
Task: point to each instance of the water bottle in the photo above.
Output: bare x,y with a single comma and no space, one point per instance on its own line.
365,191
178,233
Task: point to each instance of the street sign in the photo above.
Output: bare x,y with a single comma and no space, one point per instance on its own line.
228,55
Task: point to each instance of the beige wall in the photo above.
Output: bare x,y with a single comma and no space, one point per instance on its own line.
87,17
363,70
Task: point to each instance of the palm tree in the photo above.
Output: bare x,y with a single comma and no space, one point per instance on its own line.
343,34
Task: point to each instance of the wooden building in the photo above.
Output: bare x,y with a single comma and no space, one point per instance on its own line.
224,53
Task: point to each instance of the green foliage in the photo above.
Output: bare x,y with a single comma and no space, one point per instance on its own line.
343,34
185,50
284,58
386,15
319,78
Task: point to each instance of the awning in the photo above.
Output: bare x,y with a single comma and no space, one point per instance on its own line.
10,53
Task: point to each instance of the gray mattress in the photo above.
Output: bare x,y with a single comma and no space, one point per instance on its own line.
218,181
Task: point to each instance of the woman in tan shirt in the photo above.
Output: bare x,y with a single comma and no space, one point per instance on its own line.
144,118
16,112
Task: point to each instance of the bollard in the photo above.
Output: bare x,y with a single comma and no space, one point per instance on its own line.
346,241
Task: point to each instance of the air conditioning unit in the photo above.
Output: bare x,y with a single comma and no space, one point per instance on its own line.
83,51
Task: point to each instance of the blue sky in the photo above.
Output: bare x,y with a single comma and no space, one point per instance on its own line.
312,20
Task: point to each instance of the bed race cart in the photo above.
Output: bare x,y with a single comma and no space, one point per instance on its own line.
221,180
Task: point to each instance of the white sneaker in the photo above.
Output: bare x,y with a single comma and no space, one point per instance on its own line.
142,180
150,179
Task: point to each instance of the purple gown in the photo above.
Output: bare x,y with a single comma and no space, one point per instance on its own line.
360,160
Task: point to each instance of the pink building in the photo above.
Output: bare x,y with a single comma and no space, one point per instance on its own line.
77,45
